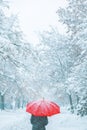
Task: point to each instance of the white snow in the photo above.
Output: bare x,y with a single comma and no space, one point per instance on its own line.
20,120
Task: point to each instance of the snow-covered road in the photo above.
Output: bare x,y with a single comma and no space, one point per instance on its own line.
20,120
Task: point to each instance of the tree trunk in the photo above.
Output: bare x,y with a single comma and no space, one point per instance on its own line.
71,103
77,98
1,101
18,103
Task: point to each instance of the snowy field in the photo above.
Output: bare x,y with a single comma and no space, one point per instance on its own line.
20,120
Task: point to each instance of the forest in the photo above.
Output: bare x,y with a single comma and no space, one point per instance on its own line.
56,69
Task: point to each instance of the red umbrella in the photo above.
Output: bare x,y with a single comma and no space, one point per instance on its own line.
42,108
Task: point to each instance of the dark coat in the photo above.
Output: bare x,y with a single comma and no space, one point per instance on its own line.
38,122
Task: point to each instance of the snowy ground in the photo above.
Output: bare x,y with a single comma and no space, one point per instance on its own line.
20,120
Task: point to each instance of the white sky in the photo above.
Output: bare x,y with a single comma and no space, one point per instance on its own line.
36,15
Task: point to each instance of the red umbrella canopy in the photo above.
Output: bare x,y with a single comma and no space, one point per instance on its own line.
42,108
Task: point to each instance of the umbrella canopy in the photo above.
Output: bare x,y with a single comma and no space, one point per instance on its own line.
42,108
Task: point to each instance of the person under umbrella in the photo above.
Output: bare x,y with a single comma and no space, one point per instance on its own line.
39,122
40,110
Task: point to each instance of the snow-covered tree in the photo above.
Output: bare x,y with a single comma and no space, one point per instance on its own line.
13,52
75,18
56,61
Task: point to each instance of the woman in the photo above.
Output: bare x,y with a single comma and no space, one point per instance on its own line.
38,122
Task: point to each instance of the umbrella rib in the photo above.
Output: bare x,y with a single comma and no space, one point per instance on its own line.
37,108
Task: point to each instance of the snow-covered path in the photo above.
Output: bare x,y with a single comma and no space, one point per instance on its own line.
10,120
67,122
20,120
